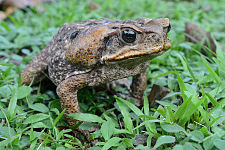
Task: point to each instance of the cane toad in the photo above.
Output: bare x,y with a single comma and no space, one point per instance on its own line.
97,51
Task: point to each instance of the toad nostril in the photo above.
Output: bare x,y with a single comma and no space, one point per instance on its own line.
168,28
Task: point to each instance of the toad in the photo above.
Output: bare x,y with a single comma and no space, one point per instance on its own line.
98,51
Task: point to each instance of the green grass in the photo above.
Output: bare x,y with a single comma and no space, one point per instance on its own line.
190,117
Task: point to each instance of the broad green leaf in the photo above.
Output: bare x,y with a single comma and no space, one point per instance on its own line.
209,142
48,148
86,125
12,105
36,118
39,125
121,131
142,147
60,148
55,110
121,146
107,118
197,136
164,140
86,117
188,146
112,142
172,128
95,148
107,129
6,132
197,146
178,147
204,131
39,107
220,144
5,90
23,91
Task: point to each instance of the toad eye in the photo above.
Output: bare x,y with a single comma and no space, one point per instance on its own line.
74,35
128,35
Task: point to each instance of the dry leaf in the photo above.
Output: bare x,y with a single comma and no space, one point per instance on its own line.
207,8
94,6
21,3
157,93
11,5
195,34
140,139
7,12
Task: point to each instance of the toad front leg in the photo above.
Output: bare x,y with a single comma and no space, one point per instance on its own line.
138,86
67,92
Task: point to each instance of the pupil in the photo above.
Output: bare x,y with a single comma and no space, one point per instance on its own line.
128,35
168,29
74,35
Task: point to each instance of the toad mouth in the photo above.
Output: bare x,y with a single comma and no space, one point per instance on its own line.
133,53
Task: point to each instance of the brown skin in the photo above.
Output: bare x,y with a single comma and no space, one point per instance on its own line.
94,52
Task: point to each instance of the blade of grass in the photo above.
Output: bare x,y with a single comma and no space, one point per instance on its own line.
206,100
135,109
186,66
190,110
126,115
112,142
12,105
58,117
170,113
189,69
180,111
212,100
163,74
212,72
146,105
182,86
